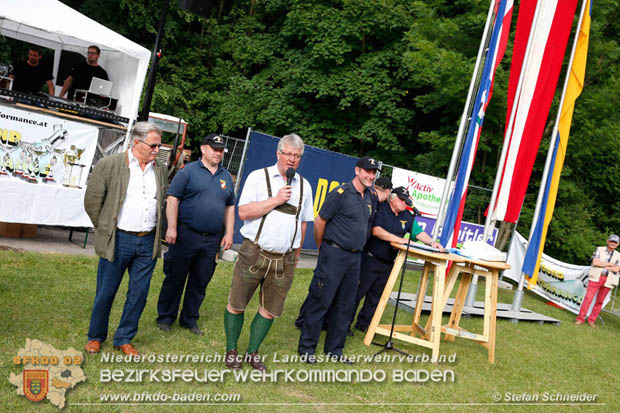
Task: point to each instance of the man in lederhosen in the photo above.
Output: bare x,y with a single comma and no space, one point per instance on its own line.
275,215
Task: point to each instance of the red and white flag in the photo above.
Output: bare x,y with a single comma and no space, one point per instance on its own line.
540,76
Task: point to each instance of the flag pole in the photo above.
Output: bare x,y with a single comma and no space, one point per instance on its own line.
490,222
465,118
518,297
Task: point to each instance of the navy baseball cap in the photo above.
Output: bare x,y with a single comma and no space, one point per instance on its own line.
214,140
367,163
403,194
384,182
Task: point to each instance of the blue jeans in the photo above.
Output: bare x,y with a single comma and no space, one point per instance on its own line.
134,254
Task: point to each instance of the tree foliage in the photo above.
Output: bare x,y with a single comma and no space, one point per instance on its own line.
387,78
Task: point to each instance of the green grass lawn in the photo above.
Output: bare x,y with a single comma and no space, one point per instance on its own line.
49,297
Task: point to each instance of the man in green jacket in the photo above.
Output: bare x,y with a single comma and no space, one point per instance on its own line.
124,201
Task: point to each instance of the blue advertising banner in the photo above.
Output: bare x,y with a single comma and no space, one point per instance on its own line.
324,170
468,232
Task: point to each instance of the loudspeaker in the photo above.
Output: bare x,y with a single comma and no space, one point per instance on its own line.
199,7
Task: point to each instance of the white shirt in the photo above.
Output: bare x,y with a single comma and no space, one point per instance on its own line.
279,227
139,210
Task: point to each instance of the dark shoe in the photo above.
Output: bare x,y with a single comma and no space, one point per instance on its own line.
197,331
255,361
128,349
350,333
232,360
309,358
93,346
164,326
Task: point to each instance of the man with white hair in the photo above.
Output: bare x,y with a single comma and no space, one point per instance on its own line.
391,223
276,206
124,200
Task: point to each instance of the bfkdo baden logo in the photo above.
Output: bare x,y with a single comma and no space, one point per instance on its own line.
36,384
47,372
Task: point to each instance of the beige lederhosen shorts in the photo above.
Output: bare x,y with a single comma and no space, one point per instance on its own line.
254,266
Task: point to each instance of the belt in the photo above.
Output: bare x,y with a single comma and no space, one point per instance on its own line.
138,234
204,234
335,244
370,254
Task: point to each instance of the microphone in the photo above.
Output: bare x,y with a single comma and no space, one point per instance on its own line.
416,212
290,173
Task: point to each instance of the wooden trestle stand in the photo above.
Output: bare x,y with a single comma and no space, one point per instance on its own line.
442,287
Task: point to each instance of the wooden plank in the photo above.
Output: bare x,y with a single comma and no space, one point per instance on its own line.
492,330
464,334
389,286
69,116
403,337
421,294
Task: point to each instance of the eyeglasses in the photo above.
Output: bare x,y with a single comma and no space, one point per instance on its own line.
152,145
291,155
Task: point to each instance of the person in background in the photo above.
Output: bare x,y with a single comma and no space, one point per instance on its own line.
30,75
602,277
81,75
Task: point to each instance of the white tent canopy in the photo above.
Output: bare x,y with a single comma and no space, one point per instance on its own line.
51,24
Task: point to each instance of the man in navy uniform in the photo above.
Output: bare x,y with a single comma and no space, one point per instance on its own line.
391,223
383,189
200,200
340,231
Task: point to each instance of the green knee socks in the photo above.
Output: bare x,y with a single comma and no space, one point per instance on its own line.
258,331
232,324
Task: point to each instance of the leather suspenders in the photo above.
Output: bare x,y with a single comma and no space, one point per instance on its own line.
285,208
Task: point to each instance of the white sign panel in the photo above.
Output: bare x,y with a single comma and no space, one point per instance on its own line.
44,165
426,190
40,149
561,283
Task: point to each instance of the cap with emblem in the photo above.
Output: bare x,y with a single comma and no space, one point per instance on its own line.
367,163
403,194
613,238
384,183
214,140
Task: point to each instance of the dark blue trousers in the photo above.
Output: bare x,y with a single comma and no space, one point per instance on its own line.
335,281
188,264
133,254
373,277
